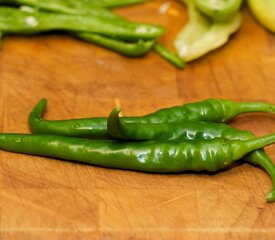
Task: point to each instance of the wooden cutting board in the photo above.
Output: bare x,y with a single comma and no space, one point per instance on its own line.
43,198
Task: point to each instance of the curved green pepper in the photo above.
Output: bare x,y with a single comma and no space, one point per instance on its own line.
130,49
119,129
150,156
209,110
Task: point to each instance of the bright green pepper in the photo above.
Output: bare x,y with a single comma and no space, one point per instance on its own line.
13,20
187,131
130,49
149,156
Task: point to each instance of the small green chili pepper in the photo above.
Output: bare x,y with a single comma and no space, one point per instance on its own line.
209,110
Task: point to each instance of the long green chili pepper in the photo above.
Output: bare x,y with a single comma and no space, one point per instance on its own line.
114,3
173,131
209,110
188,131
149,156
131,49
13,20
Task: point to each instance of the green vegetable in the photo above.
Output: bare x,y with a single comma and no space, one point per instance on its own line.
219,10
152,156
13,20
264,12
168,55
114,3
172,131
131,49
210,110
187,131
201,34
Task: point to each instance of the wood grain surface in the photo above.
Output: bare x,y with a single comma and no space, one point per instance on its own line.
43,198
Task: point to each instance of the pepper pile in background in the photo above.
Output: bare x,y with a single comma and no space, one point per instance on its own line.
193,137
210,24
91,21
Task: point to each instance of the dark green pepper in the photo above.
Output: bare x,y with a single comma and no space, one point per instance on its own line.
130,49
149,156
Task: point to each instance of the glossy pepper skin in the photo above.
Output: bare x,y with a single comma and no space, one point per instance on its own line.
151,156
188,131
209,110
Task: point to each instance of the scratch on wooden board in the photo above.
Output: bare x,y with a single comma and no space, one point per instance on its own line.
176,198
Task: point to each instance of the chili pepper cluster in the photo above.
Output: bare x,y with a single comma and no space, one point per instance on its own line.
194,136
91,21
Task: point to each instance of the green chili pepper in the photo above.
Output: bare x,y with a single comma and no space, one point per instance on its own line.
131,49
219,10
135,131
114,3
13,20
150,156
209,110
137,48
169,56
187,131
